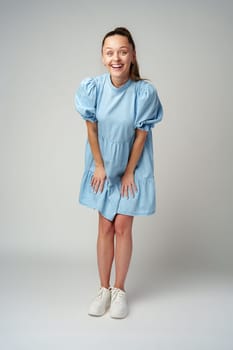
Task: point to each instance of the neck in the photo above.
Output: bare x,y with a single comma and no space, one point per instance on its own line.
119,82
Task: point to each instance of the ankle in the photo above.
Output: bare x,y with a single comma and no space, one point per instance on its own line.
119,286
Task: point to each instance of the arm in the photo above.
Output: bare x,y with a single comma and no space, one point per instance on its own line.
127,181
99,176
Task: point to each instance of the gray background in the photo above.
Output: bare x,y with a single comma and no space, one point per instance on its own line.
47,48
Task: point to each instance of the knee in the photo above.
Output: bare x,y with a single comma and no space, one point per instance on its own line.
123,225
120,229
106,230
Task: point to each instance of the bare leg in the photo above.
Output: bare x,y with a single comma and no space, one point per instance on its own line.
105,250
123,230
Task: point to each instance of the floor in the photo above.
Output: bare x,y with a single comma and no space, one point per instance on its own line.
43,305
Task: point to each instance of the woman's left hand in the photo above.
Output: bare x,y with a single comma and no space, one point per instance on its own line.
128,185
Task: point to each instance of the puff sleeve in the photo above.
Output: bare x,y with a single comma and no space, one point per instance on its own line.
85,99
148,107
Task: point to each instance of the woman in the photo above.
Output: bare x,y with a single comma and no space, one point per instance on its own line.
120,109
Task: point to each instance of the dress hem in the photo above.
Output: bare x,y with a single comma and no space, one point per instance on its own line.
118,212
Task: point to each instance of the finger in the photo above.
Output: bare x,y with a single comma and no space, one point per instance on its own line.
101,186
93,181
132,190
125,191
122,190
96,187
95,184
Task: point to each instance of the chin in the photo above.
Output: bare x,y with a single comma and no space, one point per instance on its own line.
119,75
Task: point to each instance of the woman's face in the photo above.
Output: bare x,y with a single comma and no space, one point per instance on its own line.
117,55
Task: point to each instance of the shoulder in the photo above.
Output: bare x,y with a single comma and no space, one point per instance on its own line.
145,89
91,84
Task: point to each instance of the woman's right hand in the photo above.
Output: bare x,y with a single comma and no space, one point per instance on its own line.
98,179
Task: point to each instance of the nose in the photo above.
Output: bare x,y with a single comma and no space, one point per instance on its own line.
116,56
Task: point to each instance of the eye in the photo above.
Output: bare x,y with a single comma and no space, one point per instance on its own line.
109,53
124,53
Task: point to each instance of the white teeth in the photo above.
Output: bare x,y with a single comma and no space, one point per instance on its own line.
116,65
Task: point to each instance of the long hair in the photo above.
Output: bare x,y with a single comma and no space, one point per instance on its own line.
134,68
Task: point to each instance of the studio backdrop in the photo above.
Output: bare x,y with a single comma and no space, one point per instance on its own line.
185,49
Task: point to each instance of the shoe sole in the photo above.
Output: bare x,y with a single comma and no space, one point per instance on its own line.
93,315
118,317
96,315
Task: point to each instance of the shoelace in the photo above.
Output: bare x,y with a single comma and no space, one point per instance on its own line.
100,293
117,294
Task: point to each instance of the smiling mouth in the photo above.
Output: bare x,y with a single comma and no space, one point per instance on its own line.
117,66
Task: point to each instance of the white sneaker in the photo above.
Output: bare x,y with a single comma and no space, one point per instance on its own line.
101,303
119,305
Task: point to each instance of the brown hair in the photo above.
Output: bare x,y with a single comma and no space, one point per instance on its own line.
134,68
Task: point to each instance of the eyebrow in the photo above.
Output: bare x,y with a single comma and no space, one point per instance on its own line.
122,47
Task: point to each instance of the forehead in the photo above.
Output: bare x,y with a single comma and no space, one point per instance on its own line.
115,41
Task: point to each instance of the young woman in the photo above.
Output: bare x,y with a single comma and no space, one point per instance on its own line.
120,109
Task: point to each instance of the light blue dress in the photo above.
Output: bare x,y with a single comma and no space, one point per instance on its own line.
118,112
